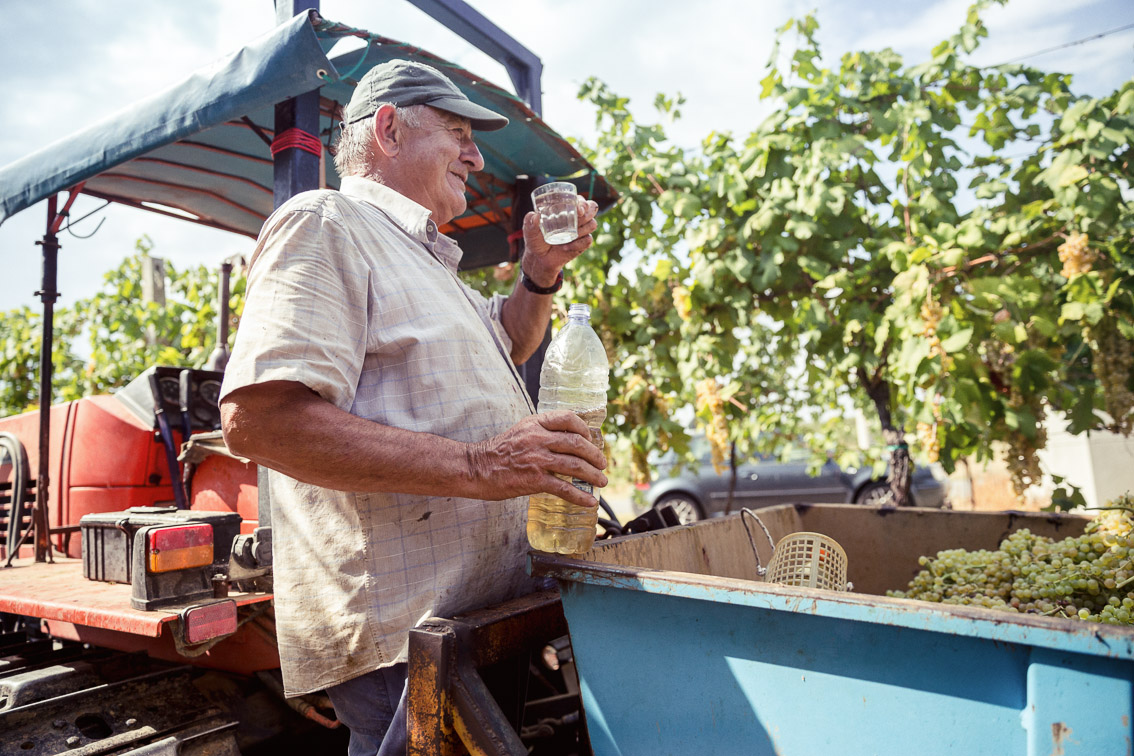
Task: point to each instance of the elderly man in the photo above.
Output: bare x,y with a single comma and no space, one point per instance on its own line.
381,393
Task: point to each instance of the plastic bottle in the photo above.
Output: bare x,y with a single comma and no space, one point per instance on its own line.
575,376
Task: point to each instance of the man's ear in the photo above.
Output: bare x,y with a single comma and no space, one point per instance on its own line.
387,130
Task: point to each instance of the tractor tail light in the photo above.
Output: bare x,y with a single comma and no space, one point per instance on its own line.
180,547
208,621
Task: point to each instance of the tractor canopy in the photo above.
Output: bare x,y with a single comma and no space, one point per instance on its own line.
202,149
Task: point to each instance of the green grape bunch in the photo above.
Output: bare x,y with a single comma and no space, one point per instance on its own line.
1076,255
709,401
930,443
1112,361
1023,451
931,314
1088,577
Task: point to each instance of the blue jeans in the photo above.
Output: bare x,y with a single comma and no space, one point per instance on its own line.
373,706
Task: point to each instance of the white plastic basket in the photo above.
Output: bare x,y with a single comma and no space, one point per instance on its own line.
809,560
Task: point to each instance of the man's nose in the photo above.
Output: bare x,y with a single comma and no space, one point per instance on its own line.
470,156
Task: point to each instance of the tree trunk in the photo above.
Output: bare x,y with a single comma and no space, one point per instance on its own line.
879,392
972,485
899,465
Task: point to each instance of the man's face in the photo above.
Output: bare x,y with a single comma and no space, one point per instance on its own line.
435,163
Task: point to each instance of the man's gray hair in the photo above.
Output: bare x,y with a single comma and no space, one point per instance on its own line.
354,150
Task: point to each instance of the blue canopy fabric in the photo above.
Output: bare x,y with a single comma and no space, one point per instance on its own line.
201,147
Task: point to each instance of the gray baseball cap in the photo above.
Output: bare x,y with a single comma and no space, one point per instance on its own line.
407,82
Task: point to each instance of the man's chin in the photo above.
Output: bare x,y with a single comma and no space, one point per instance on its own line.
460,207
458,211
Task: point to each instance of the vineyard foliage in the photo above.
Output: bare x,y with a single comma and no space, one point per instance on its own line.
103,342
943,246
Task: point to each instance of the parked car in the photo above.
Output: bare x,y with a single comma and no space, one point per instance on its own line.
698,491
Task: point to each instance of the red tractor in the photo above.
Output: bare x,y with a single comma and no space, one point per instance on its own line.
135,591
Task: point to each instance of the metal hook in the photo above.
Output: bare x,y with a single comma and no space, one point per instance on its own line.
71,223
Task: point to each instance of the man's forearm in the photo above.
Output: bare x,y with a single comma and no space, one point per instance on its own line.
525,316
287,427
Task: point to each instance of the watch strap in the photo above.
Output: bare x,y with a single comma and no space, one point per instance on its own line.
535,288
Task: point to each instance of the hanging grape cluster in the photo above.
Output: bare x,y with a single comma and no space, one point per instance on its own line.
632,396
928,435
682,302
1075,254
1022,456
640,401
1089,577
930,445
931,313
709,398
1023,452
1112,358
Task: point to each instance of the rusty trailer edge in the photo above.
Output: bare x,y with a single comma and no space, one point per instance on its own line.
58,591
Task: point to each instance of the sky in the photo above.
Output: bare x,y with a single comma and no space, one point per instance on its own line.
67,63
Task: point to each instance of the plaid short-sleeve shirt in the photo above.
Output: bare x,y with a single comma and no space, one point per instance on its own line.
355,295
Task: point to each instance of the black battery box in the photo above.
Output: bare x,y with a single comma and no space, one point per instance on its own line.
108,537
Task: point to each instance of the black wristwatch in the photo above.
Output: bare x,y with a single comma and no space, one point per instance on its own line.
535,288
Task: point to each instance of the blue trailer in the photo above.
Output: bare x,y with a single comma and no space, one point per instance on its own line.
681,649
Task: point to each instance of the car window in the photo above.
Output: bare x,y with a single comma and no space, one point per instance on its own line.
798,454
667,462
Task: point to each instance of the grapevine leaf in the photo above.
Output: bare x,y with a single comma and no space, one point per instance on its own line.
957,341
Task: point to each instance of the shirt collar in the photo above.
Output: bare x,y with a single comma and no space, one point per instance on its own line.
406,214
